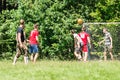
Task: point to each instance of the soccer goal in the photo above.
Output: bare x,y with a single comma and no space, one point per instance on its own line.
96,33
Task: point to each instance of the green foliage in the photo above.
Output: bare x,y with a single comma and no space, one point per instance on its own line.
56,18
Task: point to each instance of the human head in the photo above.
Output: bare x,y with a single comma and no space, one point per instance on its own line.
36,26
104,30
21,22
83,28
72,31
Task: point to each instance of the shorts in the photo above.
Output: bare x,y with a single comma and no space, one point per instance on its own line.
22,50
107,48
33,48
77,50
84,48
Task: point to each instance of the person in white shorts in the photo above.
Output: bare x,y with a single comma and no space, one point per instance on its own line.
77,41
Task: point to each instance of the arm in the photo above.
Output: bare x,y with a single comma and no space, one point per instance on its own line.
75,42
101,42
37,39
79,41
111,42
89,41
25,38
37,34
88,38
19,39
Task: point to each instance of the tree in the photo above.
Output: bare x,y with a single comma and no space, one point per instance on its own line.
56,18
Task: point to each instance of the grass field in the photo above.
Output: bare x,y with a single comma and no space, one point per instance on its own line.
60,70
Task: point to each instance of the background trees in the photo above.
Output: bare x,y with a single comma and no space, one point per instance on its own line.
56,18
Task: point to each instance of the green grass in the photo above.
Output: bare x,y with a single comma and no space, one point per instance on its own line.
60,70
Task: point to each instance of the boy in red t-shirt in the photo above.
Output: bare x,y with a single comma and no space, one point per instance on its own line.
33,40
86,39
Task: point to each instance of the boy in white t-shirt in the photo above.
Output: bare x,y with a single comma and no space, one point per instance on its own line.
77,41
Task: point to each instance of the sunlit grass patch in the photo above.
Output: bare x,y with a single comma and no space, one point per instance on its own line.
60,70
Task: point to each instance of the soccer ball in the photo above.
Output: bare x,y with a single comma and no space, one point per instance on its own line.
80,21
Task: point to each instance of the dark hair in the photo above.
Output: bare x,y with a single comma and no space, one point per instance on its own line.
72,31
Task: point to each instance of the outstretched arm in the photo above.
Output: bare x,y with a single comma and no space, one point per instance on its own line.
101,42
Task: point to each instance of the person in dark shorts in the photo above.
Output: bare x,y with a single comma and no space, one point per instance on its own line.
21,43
107,44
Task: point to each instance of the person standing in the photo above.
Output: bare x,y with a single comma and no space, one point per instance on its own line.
21,43
34,42
86,39
107,44
77,41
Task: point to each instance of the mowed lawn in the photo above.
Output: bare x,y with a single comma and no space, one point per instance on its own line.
60,70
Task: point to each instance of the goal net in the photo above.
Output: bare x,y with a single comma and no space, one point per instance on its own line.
96,33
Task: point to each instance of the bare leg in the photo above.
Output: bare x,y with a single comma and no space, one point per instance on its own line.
35,57
26,59
79,56
85,56
111,56
76,55
105,56
31,57
15,58
18,53
26,55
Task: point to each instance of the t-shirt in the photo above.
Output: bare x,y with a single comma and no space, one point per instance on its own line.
77,36
107,38
20,30
83,36
33,35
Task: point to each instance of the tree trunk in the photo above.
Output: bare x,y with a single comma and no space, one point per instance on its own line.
0,6
4,4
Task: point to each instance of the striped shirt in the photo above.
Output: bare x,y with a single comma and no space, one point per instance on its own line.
107,38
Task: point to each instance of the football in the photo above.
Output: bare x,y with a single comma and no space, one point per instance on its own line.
80,21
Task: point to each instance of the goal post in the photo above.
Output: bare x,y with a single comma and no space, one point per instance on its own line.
102,23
